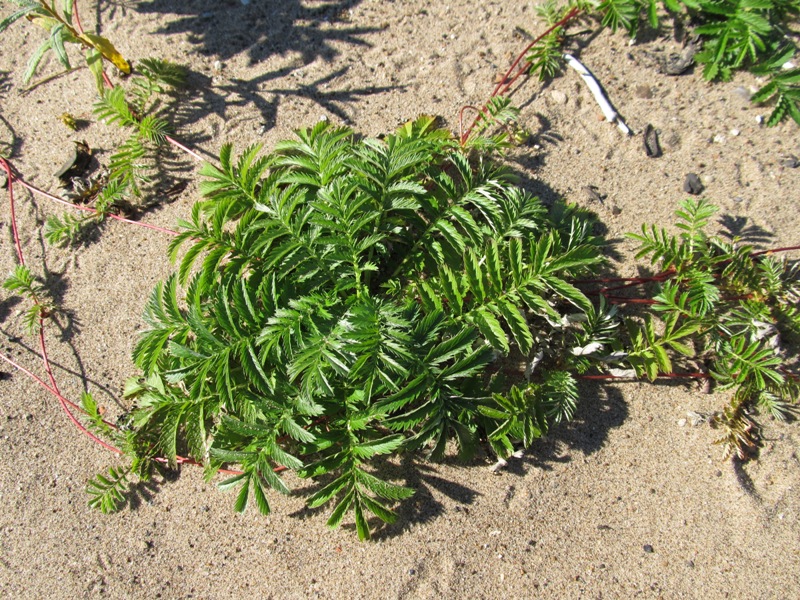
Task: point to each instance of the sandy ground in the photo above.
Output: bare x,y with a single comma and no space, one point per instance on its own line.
623,502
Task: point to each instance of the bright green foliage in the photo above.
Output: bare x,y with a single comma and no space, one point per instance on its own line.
106,492
24,283
344,299
139,111
728,308
783,87
500,117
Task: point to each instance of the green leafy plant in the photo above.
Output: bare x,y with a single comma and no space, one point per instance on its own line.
24,283
340,300
347,299
729,306
129,174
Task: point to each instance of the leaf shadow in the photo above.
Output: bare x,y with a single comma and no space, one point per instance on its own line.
143,491
298,33
601,409
737,227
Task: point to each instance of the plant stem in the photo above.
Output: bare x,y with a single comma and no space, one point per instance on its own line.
505,83
774,250
180,146
10,179
63,401
77,17
40,192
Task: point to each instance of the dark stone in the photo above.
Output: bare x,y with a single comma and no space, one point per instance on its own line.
692,184
678,64
790,162
647,548
651,145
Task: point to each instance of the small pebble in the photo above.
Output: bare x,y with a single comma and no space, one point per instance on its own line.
558,97
719,139
742,92
790,162
217,66
734,132
759,119
412,571
690,564
651,146
692,184
643,91
681,422
647,548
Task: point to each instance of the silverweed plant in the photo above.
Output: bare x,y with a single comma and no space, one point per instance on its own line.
740,308
342,300
346,298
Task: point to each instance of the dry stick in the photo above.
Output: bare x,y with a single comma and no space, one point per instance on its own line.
597,92
660,375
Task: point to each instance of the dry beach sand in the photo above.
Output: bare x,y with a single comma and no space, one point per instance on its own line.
629,500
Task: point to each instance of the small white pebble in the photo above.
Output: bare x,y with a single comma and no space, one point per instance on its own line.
759,119
734,132
217,65
719,139
681,422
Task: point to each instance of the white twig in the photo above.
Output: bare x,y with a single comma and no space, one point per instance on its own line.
608,110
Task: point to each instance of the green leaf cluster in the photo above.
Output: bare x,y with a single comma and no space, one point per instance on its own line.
23,282
728,307
340,299
139,111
